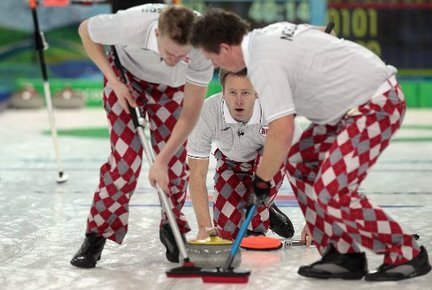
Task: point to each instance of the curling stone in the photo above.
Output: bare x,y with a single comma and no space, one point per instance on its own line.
26,98
68,99
211,252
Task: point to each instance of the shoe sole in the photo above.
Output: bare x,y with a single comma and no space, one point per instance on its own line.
344,276
82,265
399,278
86,265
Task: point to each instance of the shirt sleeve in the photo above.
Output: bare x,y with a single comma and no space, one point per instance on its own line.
200,70
199,143
124,27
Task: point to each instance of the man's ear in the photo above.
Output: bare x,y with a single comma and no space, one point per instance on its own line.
223,47
157,33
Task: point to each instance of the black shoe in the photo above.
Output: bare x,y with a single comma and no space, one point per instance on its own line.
280,223
337,265
250,233
168,240
416,267
90,252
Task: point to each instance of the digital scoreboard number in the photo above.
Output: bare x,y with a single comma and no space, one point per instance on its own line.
398,31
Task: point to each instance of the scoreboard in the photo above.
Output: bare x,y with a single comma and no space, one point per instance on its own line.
399,31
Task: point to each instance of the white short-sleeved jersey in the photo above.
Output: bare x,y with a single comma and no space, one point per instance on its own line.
238,141
132,31
313,74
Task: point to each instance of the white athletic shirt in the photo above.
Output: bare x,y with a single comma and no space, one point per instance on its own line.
132,31
237,141
313,74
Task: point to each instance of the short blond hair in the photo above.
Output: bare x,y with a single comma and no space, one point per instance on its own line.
223,74
176,22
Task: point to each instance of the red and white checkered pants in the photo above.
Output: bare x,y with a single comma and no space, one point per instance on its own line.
232,183
325,169
118,176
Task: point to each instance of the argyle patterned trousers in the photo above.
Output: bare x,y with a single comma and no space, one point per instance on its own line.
109,212
232,183
325,169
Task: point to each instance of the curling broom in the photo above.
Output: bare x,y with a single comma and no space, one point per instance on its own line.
40,46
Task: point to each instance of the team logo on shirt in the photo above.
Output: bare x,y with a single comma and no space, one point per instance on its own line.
263,131
288,32
153,8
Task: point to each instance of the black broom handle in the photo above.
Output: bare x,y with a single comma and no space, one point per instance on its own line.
39,41
329,27
119,67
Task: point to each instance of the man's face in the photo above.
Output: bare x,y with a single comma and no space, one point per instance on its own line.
239,96
170,51
227,58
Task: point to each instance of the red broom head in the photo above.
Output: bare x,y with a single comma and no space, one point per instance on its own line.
230,276
187,270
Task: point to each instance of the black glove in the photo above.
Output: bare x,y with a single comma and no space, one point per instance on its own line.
261,189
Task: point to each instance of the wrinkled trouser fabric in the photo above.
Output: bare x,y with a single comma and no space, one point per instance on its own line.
232,183
109,212
325,169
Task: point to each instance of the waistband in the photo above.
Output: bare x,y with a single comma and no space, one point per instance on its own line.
383,88
386,86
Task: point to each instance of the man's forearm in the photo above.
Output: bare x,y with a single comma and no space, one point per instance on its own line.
200,202
198,192
96,52
276,148
192,103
